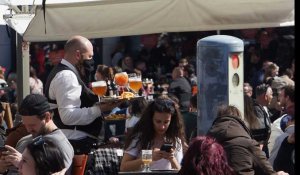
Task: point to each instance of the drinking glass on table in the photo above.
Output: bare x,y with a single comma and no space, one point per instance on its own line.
99,88
135,82
147,159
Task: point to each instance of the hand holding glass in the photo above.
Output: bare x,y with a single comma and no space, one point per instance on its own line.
99,88
147,159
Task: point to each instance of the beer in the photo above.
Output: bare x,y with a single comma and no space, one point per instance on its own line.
147,161
99,88
121,79
135,85
135,82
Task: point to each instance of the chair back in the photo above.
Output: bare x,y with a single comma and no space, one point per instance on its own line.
79,164
104,161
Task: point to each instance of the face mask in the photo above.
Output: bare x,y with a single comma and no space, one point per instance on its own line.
88,66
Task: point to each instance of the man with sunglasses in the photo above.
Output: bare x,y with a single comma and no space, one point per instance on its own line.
37,119
76,110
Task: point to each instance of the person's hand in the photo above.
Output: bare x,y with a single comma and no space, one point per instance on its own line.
156,154
168,155
12,155
113,140
282,173
4,165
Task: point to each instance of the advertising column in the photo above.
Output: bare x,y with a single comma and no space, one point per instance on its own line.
219,76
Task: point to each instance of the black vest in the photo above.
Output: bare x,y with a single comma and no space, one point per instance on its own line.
87,97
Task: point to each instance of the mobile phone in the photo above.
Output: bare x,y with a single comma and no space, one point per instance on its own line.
166,147
2,148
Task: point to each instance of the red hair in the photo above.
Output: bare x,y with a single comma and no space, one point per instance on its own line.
205,157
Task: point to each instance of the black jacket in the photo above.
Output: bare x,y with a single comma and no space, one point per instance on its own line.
263,133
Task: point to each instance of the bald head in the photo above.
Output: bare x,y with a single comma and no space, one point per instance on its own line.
77,43
76,46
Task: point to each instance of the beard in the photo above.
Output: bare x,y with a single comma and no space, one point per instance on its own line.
42,131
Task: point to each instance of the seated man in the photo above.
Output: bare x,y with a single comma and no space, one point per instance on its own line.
37,118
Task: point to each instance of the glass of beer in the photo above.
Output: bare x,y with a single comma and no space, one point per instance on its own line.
99,88
121,78
147,159
135,82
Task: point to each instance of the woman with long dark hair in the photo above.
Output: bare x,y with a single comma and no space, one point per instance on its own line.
160,123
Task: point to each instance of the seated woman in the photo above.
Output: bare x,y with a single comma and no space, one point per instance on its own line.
41,156
205,156
160,123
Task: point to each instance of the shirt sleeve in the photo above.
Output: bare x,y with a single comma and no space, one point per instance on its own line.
66,90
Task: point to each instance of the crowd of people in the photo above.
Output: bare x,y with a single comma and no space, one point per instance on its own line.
62,117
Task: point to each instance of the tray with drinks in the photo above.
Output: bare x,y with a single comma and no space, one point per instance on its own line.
108,99
116,117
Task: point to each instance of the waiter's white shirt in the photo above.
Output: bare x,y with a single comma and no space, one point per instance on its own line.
66,90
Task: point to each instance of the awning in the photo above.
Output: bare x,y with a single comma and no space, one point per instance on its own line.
107,18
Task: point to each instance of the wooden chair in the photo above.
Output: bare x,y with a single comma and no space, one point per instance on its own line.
79,164
7,114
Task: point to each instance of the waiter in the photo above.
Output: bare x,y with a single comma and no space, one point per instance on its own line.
74,104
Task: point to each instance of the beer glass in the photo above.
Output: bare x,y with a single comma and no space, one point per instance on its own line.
135,82
121,79
99,88
147,159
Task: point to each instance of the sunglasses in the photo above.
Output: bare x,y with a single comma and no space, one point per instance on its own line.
39,142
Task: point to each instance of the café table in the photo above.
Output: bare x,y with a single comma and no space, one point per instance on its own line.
156,172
